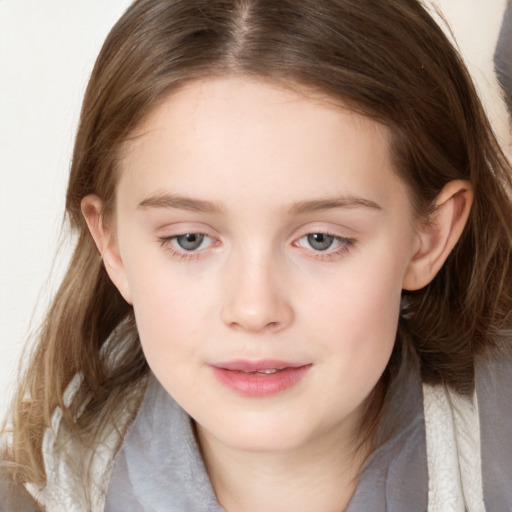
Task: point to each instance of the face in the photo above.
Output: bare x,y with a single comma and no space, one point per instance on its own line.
263,239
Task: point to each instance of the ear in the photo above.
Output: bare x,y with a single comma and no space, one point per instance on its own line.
105,240
438,236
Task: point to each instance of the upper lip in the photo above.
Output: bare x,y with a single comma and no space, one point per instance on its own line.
257,365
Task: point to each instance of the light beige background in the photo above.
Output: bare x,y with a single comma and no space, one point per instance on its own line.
47,49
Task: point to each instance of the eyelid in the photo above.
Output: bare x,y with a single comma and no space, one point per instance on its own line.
338,238
343,243
203,240
168,235
344,246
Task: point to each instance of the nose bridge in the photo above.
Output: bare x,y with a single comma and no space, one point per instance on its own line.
256,297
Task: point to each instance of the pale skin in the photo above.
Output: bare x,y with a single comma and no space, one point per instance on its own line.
255,170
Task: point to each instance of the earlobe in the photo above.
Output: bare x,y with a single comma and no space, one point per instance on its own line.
438,236
105,240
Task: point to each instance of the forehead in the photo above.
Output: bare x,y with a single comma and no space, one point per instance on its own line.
237,137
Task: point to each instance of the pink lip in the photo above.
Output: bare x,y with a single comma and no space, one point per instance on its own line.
233,374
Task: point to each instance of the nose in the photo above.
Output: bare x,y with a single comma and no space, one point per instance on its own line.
256,296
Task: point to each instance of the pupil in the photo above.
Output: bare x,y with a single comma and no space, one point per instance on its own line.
190,241
320,241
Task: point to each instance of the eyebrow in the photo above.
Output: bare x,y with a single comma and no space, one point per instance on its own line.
181,203
331,204
297,208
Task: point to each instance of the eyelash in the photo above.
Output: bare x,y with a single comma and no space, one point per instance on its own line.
167,244
346,245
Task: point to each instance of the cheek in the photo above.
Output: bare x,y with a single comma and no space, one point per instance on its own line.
157,303
168,326
365,334
173,311
363,298
359,318
163,313
363,338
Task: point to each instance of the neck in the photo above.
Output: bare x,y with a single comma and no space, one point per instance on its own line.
321,478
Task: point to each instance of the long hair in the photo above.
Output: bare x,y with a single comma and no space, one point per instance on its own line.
387,60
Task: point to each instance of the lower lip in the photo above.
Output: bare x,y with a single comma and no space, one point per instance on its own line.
260,385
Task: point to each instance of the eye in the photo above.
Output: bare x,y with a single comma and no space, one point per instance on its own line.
190,241
326,245
186,245
319,241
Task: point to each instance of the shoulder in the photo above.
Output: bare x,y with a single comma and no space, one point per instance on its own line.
468,438
482,427
494,385
79,468
14,497
160,461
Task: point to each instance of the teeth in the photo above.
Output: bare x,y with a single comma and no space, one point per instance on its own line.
268,371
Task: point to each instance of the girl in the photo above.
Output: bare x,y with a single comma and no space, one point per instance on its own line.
291,288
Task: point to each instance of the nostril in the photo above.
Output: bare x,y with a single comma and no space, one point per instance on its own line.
259,308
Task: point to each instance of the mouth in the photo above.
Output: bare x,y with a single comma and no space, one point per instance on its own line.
266,366
269,371
260,378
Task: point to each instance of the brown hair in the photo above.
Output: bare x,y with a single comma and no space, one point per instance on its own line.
384,59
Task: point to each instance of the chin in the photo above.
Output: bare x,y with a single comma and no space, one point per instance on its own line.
263,444
261,436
